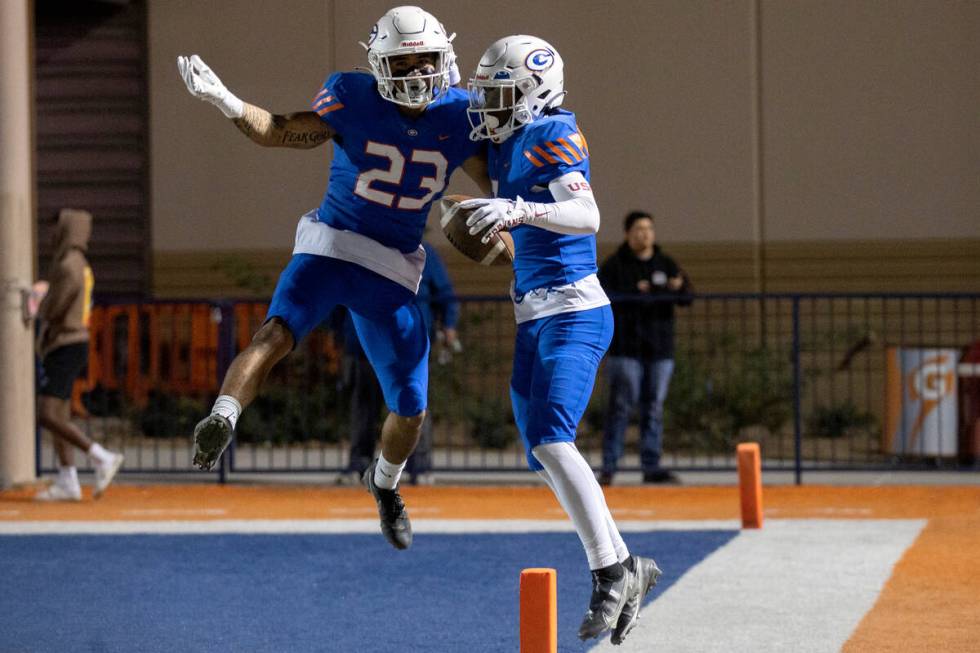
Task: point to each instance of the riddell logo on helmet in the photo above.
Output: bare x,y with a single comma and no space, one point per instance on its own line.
412,44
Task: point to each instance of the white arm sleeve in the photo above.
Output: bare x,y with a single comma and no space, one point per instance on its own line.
574,211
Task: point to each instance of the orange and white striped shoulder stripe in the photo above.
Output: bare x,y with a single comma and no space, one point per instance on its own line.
567,149
324,102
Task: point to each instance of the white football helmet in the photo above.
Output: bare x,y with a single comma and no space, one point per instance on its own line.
410,30
519,79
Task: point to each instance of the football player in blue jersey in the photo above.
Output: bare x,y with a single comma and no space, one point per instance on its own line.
398,133
539,169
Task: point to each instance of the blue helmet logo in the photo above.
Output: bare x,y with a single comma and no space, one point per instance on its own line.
373,35
540,59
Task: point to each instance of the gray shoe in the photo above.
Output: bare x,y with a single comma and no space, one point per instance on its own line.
607,601
104,473
211,437
643,580
60,492
395,525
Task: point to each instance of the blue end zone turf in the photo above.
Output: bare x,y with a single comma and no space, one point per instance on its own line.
277,593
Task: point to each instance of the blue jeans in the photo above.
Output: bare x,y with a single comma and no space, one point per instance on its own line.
633,381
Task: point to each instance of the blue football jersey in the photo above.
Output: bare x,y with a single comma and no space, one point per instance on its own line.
524,165
387,168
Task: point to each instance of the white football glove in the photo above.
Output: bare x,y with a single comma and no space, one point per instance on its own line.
454,76
494,215
205,85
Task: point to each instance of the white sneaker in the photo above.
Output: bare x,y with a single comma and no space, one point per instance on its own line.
104,473
58,492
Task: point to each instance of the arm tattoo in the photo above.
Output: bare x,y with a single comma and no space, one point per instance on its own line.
298,130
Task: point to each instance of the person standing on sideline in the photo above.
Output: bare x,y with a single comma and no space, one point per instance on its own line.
436,300
644,284
437,303
63,347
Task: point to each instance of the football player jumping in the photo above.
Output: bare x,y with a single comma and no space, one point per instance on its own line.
398,134
539,168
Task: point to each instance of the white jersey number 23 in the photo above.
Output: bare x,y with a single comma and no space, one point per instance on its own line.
393,175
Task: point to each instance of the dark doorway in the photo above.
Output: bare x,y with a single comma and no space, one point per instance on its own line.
92,144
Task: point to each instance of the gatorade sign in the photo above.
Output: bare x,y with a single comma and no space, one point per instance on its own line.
921,417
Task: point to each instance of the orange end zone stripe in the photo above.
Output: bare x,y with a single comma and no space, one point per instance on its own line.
931,601
544,155
193,502
530,157
561,155
327,110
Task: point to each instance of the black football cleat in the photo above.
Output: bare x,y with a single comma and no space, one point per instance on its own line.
211,437
395,525
643,580
606,604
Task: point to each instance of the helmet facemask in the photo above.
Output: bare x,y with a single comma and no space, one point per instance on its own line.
498,107
413,86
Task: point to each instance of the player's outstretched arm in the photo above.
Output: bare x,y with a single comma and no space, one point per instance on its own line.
302,130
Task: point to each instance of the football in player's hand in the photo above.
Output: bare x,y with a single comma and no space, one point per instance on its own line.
499,250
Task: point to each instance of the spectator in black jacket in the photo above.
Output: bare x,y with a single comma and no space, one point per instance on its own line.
644,285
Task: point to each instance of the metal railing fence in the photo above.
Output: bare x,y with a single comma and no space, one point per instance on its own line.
855,381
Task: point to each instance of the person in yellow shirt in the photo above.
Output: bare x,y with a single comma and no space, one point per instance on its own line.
63,347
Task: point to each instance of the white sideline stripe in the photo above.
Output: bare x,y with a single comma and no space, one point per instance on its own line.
331,526
795,585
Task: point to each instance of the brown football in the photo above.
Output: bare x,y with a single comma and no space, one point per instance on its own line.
500,249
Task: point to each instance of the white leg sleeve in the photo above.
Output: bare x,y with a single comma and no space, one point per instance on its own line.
579,493
617,540
621,551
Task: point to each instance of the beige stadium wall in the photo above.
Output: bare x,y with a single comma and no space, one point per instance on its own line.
828,145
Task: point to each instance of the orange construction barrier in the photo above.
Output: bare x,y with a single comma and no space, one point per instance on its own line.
750,484
139,348
248,318
539,611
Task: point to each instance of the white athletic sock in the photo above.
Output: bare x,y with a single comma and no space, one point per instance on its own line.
68,477
572,481
386,474
228,407
97,454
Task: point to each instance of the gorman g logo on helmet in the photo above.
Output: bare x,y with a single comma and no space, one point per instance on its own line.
539,60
